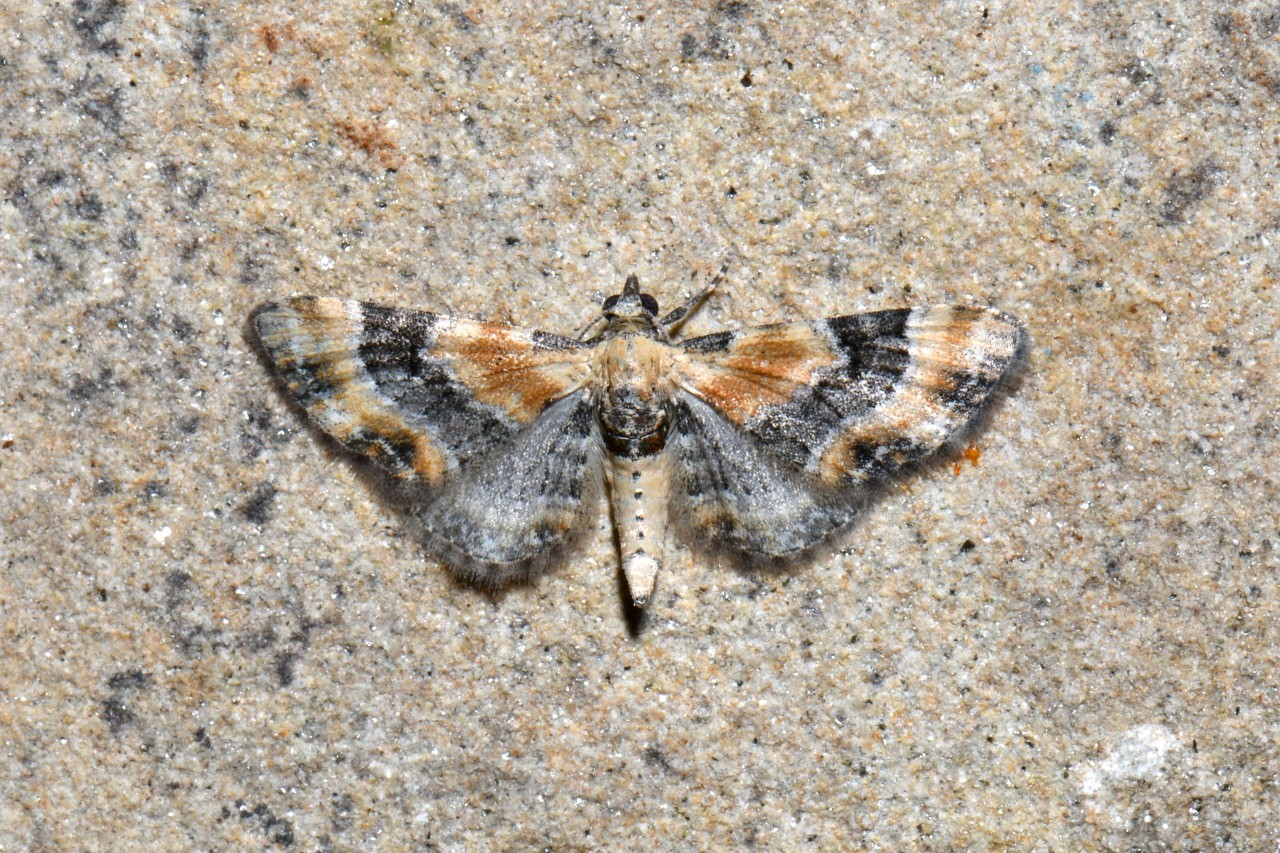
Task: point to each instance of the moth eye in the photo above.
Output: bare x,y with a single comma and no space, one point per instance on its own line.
610,302
650,304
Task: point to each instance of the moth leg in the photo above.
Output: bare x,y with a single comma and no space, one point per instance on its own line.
590,328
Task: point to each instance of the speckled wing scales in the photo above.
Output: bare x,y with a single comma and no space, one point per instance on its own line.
730,493
513,509
784,428
950,359
481,413
418,394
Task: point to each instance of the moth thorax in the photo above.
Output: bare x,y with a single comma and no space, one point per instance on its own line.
635,406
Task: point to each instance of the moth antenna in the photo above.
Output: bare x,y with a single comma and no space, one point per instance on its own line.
688,307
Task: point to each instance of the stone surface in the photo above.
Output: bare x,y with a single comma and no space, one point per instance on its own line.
217,637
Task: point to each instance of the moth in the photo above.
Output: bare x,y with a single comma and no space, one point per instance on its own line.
757,443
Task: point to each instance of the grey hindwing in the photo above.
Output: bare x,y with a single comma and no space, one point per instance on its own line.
730,494
522,500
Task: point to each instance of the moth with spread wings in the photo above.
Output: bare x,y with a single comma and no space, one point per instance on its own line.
758,442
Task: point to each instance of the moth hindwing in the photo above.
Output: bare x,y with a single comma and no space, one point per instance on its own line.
758,442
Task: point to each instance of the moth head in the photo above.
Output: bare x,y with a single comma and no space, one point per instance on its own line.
632,312
631,305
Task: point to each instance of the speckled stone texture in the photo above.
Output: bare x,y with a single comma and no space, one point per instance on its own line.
216,636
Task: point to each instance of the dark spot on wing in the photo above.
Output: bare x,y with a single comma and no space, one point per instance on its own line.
874,356
395,351
963,390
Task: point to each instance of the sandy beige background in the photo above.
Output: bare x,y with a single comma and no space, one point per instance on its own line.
216,637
